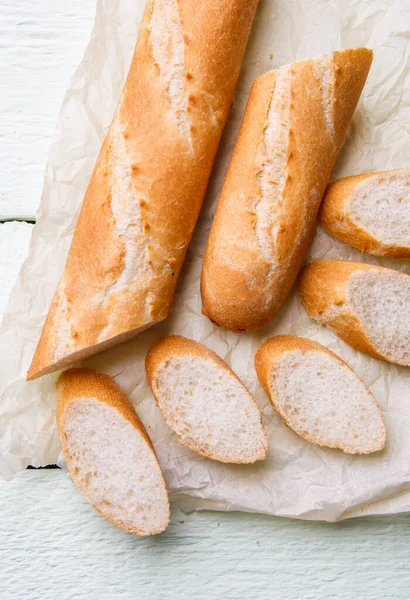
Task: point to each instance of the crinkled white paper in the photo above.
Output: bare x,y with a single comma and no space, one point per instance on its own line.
298,479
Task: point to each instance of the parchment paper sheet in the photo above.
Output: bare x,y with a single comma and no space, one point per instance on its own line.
298,479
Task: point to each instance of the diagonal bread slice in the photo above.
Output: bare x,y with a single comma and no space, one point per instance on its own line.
367,306
319,396
204,402
109,454
370,212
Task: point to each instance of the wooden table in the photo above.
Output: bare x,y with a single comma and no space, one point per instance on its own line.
52,545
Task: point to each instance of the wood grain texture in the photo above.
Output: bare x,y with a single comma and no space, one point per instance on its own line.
56,546
41,43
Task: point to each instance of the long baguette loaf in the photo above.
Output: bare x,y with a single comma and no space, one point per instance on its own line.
319,396
109,454
367,306
149,180
290,136
370,212
204,402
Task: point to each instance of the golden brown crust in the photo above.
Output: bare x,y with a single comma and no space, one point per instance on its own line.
87,383
334,216
234,288
272,350
168,175
274,347
177,345
323,291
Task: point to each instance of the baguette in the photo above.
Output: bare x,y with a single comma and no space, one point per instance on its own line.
204,402
367,306
370,212
293,127
145,193
319,396
109,454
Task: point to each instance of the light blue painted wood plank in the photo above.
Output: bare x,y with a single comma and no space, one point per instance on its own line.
54,546
42,43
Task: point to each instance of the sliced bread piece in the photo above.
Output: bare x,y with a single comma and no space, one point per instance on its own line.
319,396
109,454
370,212
367,306
204,402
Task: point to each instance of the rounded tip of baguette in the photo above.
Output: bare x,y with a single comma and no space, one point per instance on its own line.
230,303
240,319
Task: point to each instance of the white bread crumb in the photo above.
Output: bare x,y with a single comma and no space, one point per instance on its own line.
114,466
209,409
381,301
381,206
324,401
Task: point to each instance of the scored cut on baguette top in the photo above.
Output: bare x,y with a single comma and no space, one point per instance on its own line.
204,402
108,452
318,396
370,212
291,133
367,306
145,193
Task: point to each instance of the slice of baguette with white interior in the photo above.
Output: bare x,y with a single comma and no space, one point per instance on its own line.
370,212
109,454
319,396
367,306
204,402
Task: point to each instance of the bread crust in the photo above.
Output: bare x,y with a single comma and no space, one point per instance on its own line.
334,215
87,383
176,345
154,164
323,287
241,289
272,350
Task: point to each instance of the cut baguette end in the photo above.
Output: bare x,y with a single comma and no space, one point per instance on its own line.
367,306
318,396
247,322
41,364
109,454
370,212
204,402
